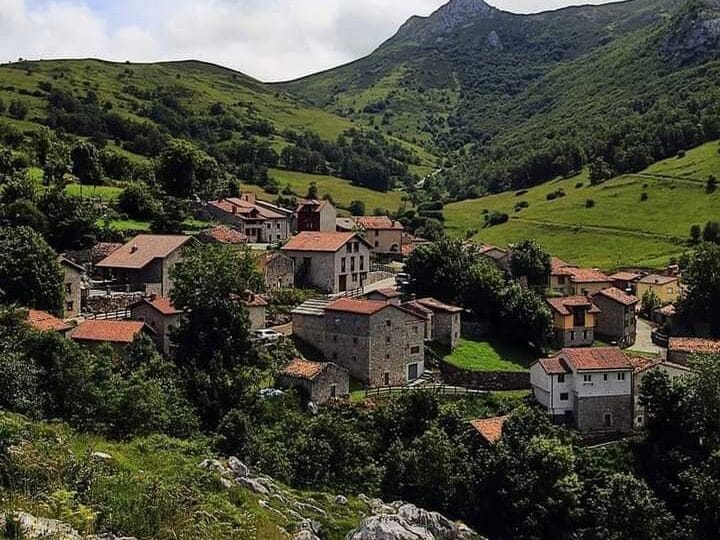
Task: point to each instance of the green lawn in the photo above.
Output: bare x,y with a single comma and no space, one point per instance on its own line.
489,356
621,229
108,194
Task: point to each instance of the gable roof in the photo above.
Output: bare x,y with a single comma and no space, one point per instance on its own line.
241,208
595,359
641,364
300,368
490,429
656,279
311,206
562,305
70,263
625,276
554,366
587,275
618,296
142,250
378,223
223,234
358,307
162,305
694,345
102,250
386,293
330,242
44,321
437,305
108,331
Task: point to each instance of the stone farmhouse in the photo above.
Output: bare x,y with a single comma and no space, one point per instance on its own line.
119,334
574,320
682,349
256,306
224,235
590,388
315,216
381,344
641,368
73,287
144,263
617,319
443,321
626,281
497,256
383,233
666,288
570,280
278,270
261,222
332,262
321,381
392,296
161,315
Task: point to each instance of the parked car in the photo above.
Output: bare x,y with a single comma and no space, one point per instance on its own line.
266,335
402,279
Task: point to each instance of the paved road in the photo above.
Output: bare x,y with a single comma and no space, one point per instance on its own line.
644,341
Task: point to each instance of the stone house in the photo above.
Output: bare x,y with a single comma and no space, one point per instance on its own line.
446,321
315,216
261,222
119,334
643,366
489,430
381,344
278,270
626,281
144,263
392,296
161,316
383,233
225,235
321,381
257,310
570,280
617,320
574,320
332,262
42,321
667,288
682,349
72,287
590,388
497,256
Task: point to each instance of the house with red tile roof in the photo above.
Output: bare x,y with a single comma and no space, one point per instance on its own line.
332,262
681,350
117,333
385,295
380,343
589,388
320,381
666,288
617,320
223,234
43,321
570,280
626,281
574,320
73,274
315,216
161,315
489,430
144,263
384,234
260,221
278,270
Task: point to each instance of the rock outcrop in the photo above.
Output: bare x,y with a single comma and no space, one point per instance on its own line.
29,526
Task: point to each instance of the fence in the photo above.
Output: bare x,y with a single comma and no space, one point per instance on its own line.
443,389
117,315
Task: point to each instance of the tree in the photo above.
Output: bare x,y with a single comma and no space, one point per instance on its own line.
431,229
312,192
18,109
695,234
168,216
525,316
711,232
712,184
86,163
440,269
531,261
214,351
74,220
357,208
137,201
700,302
484,289
600,171
650,301
185,170
30,274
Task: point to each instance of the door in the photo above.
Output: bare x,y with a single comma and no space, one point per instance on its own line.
412,372
343,283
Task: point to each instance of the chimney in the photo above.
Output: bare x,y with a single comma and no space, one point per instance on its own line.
134,247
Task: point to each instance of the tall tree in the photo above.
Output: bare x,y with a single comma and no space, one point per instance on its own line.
531,261
700,302
185,170
86,163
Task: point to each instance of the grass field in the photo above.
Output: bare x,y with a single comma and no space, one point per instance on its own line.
108,194
342,191
621,229
489,356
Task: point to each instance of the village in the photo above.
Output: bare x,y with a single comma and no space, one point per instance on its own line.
361,331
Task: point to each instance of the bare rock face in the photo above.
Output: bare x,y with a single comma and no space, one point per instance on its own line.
29,526
458,12
695,33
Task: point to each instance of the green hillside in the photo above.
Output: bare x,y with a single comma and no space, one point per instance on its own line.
620,229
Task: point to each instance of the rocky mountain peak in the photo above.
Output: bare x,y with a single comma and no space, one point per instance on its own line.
694,32
458,12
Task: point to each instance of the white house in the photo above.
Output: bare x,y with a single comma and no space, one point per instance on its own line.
589,388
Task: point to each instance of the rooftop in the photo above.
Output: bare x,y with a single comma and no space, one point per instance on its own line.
490,429
162,305
388,293
108,331
694,345
303,369
380,223
619,296
437,305
225,235
563,305
596,359
554,366
243,207
587,275
44,321
312,307
625,276
358,307
142,250
655,279
311,205
319,241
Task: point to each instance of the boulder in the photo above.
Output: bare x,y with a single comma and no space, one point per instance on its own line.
30,526
102,456
253,485
341,501
238,467
388,527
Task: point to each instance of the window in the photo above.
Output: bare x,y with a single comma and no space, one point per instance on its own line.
413,372
357,247
640,420
608,420
620,376
335,339
415,329
362,263
561,280
68,288
415,350
377,244
387,339
349,248
585,334
277,226
388,323
587,378
564,396
354,359
343,264
69,306
355,340
352,264
377,233
386,378
578,317
605,377
561,378
572,335
333,391
355,277
269,225
670,290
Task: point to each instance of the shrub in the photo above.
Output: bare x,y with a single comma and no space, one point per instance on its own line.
551,196
712,183
496,218
521,192
521,205
579,185
681,154
590,203
644,196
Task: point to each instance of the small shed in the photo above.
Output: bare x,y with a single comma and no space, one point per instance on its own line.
323,381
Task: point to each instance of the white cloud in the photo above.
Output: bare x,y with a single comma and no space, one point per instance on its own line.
269,39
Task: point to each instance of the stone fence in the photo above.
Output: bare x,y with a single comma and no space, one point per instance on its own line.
485,380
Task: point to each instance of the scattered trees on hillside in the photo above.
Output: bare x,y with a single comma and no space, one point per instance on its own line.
185,171
699,305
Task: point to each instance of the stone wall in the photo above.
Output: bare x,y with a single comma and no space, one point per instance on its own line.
482,380
590,413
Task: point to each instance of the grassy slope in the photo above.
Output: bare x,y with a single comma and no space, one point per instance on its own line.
152,488
489,356
621,230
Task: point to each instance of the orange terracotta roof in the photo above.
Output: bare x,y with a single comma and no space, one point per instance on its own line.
641,363
142,250
380,223
593,359
304,369
164,305
311,205
562,305
255,300
225,235
588,275
669,311
359,307
694,345
554,366
490,429
103,250
319,241
625,276
242,208
388,293
618,296
558,265
44,321
437,305
108,331
654,279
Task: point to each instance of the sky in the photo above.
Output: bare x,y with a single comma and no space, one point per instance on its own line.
268,39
